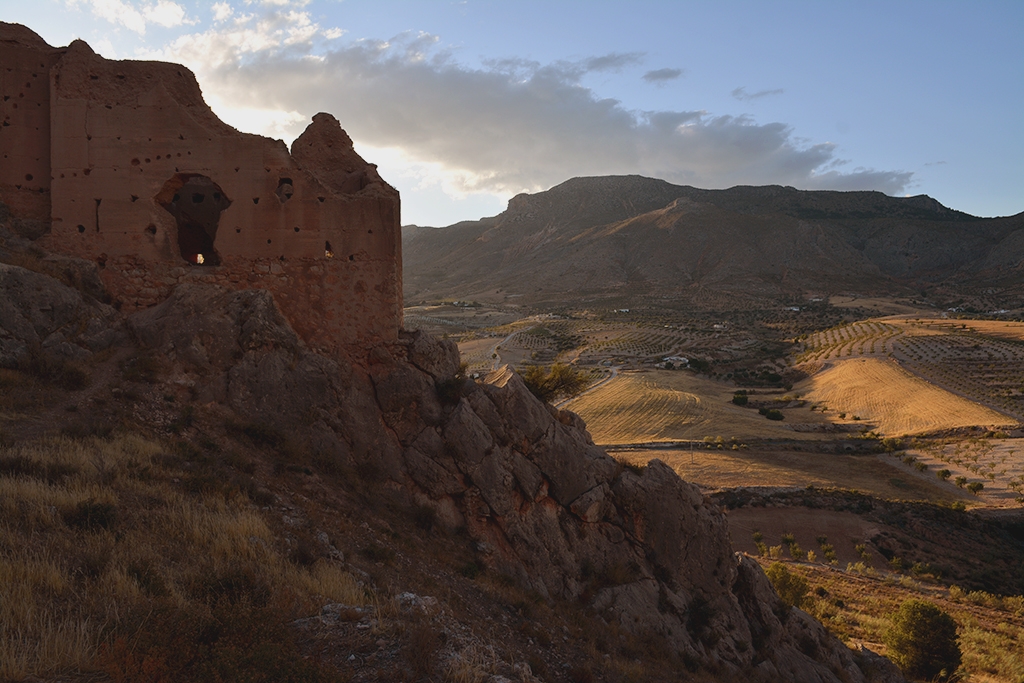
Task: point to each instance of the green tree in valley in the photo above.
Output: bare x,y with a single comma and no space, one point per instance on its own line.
922,640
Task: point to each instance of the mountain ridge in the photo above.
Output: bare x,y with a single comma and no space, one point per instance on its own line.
600,236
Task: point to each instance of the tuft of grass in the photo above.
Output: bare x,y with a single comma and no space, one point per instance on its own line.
108,564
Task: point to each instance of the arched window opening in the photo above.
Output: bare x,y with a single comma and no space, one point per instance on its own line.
196,203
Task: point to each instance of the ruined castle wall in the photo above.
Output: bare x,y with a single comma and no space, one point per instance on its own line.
149,183
24,122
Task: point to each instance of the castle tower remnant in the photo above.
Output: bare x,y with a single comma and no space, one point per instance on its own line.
123,163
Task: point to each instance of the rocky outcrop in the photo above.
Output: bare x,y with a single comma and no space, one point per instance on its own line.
39,315
542,502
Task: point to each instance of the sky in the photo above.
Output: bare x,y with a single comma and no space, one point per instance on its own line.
464,104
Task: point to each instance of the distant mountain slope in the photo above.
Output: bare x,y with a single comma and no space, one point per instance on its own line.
628,236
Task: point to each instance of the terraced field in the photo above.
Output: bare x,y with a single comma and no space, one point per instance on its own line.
891,400
987,369
869,337
996,463
981,360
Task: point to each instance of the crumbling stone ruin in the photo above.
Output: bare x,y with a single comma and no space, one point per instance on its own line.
122,163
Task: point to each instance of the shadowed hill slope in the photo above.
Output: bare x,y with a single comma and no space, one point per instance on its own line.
516,483
614,236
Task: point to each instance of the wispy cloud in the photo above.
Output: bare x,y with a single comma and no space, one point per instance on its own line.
659,76
742,94
509,126
135,16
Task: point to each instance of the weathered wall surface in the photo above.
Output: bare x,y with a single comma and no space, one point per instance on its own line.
25,62
148,182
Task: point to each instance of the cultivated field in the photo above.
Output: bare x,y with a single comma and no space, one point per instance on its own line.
890,400
982,360
997,464
672,405
876,475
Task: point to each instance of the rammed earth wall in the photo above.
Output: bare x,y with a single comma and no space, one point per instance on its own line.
124,164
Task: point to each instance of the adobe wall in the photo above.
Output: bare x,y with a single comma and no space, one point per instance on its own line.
25,62
150,184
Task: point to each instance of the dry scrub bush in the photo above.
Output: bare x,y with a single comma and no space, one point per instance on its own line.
99,544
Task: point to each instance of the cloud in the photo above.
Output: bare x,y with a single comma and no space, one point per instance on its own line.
742,94
135,16
508,126
659,76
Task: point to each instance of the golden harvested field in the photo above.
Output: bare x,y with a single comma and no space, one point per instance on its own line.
873,474
667,405
990,328
891,400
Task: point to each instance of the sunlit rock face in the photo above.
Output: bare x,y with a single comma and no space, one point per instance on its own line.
124,164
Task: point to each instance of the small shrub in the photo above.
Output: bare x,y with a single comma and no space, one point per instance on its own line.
922,640
376,553
944,474
559,381
62,373
792,588
975,487
774,415
425,517
740,399
960,482
91,514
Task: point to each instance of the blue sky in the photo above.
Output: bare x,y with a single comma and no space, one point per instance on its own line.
464,104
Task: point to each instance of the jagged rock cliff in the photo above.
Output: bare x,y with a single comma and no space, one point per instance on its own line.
539,500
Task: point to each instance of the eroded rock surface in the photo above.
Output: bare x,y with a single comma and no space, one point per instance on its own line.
542,503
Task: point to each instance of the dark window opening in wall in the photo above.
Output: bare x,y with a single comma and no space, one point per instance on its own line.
98,202
285,190
196,202
328,251
81,228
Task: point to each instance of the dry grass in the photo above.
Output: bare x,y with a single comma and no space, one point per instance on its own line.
856,608
892,400
95,530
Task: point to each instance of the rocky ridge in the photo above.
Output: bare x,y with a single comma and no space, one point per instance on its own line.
538,500
632,238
